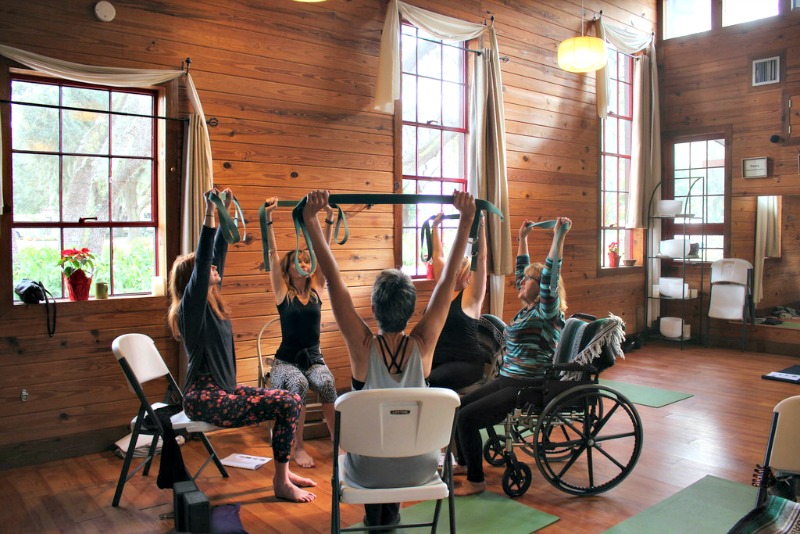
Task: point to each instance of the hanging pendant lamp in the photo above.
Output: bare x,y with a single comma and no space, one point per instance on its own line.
582,54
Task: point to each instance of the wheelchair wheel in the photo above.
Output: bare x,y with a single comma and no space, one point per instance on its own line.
588,439
516,478
494,450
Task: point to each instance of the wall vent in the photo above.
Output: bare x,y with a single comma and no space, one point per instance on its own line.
766,71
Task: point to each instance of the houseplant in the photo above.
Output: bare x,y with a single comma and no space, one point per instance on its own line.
613,254
78,268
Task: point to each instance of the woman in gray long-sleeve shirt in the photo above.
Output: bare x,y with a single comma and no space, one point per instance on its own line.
199,317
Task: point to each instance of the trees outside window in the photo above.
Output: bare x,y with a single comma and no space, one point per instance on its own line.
434,135
84,162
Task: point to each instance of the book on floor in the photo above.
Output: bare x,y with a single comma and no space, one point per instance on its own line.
245,461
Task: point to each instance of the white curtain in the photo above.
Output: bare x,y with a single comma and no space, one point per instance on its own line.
122,77
487,176
768,240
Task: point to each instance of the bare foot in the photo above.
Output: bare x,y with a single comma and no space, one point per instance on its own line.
290,492
469,488
302,482
459,470
302,458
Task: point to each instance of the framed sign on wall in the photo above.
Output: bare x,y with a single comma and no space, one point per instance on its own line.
754,167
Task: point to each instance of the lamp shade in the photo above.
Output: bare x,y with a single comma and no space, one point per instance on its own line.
582,54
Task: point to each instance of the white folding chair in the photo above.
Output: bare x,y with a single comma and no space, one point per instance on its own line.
141,362
731,294
782,456
394,423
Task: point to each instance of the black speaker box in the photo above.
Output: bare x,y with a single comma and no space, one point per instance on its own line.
179,490
197,512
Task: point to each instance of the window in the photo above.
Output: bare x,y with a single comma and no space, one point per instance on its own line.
616,155
699,167
83,174
434,135
739,11
687,17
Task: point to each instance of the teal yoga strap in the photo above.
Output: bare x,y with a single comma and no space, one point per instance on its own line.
229,227
369,199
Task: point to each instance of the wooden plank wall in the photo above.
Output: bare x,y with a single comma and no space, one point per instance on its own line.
706,87
291,85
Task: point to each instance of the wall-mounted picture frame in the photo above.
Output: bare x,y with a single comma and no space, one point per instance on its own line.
754,167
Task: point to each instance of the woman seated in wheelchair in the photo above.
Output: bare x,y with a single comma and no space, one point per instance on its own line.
199,317
298,361
456,363
530,338
390,358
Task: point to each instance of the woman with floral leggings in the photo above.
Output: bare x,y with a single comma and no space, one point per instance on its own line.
198,316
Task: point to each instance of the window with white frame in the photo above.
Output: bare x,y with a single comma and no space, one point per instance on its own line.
434,135
84,167
616,156
698,167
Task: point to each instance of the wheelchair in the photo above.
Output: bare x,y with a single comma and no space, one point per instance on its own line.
584,436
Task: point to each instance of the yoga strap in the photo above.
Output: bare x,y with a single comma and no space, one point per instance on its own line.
371,199
229,227
426,234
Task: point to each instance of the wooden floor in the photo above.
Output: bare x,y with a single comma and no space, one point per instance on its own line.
720,431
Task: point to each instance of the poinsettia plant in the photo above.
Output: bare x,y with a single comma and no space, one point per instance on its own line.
74,259
614,248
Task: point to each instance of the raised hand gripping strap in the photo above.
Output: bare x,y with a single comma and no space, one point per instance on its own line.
227,225
426,234
373,199
561,231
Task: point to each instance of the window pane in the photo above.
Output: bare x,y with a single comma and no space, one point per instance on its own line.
610,170
453,64
131,136
685,17
409,149
452,105
408,48
79,97
453,155
34,129
36,252
429,148
409,98
430,107
131,193
625,137
698,154
35,187
133,260
610,135
85,192
716,181
85,132
716,210
738,11
681,156
429,57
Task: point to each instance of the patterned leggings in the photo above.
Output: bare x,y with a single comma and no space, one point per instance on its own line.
288,376
206,401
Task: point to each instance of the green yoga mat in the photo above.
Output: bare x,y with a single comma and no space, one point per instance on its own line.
646,396
479,514
710,505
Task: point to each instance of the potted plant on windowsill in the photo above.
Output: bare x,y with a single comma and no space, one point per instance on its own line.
613,254
78,268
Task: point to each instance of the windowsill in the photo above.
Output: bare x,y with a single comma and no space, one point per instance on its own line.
92,299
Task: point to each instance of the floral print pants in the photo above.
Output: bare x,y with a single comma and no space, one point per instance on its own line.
206,401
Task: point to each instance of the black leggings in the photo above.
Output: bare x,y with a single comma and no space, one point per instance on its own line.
455,375
484,407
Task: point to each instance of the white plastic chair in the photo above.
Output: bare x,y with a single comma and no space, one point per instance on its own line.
782,447
394,423
731,293
141,362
